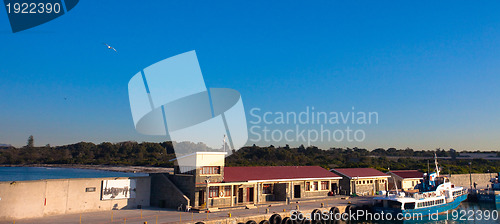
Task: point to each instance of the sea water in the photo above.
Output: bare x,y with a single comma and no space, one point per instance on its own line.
39,173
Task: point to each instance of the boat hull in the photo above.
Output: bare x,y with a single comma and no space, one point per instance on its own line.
424,211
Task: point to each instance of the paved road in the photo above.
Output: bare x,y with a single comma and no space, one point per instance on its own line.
163,216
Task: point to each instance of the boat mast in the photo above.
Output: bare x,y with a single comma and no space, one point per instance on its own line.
436,162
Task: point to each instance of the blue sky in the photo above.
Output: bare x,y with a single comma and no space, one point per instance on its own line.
429,69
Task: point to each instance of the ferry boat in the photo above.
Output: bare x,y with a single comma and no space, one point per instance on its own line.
433,195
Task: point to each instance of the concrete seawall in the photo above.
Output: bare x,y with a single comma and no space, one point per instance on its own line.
39,198
482,179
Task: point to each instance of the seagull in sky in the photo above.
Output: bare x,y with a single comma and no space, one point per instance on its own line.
109,47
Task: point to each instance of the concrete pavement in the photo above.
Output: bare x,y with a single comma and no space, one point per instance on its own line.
164,216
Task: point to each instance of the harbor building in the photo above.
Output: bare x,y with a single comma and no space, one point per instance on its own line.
361,181
206,182
405,179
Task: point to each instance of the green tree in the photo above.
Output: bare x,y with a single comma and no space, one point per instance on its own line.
31,142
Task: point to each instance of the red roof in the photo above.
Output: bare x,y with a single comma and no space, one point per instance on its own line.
408,173
256,173
360,172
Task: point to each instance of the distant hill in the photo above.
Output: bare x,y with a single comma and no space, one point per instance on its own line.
5,145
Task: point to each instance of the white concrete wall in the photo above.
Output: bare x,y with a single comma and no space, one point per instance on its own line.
30,199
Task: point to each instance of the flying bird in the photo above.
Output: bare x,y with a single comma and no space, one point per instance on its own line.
109,47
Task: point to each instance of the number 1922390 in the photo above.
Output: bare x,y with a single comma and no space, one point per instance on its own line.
469,215
32,8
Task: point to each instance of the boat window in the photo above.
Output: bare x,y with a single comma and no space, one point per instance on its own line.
410,205
394,204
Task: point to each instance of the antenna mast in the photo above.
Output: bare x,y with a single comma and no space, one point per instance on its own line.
224,143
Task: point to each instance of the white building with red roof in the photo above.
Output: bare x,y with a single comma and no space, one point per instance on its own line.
206,182
405,179
361,181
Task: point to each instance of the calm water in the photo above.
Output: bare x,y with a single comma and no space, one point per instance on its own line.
467,212
38,173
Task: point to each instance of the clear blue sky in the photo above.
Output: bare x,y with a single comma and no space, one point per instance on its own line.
430,69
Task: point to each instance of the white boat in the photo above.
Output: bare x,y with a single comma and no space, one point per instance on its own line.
434,195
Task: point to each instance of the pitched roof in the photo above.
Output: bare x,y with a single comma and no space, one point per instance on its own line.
360,172
407,173
267,173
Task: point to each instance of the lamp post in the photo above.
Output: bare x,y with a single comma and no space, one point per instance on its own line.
208,191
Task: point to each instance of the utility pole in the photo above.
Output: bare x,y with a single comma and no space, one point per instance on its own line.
428,168
470,174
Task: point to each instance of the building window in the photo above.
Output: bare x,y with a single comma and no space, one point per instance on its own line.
227,191
267,189
324,185
206,170
308,186
315,185
213,192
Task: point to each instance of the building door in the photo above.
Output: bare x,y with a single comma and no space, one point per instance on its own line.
240,195
334,188
250,194
296,191
201,198
377,186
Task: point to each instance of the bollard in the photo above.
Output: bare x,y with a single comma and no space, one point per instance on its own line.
192,216
141,212
80,219
229,214
180,217
125,221
156,222
284,210
322,205
111,215
267,210
297,207
145,222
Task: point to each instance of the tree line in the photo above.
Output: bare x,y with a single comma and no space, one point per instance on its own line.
160,154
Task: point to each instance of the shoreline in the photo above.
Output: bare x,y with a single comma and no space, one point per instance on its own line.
124,169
